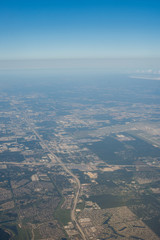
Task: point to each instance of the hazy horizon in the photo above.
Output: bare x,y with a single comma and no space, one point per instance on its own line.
104,65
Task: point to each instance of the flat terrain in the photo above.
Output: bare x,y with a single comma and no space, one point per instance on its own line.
80,160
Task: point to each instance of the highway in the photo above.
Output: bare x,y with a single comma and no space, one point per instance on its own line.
77,182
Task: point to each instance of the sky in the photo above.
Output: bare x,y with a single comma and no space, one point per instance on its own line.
86,29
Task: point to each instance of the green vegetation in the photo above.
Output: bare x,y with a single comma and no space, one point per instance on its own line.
23,233
109,178
81,205
107,200
154,224
14,232
30,144
63,216
113,151
7,156
82,177
107,150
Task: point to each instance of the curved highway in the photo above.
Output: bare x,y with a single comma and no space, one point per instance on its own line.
73,215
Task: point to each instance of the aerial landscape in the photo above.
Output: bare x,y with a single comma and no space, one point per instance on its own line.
80,120
81,163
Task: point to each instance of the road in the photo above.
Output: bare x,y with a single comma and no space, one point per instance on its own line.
78,184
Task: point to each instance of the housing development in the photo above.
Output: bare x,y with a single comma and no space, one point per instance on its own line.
80,161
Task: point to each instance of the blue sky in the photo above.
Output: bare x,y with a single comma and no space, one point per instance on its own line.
46,29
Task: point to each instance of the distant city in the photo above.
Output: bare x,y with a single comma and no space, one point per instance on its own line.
80,160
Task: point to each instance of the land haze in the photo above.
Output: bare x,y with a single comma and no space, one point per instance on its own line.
79,157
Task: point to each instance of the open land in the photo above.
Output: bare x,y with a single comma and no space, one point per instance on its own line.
80,161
